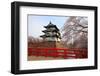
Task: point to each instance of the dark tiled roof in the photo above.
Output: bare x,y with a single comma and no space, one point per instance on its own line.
51,25
44,36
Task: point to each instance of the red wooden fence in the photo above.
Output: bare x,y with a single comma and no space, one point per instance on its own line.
58,52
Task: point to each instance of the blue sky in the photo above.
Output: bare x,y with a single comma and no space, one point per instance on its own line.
36,23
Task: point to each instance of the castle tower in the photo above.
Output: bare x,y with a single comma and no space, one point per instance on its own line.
51,33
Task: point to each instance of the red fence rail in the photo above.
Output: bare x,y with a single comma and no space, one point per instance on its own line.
58,52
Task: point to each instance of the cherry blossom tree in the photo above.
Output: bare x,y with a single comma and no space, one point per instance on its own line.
75,31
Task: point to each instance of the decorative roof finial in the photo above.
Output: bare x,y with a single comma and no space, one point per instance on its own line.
50,22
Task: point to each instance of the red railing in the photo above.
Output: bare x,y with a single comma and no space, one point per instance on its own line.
58,52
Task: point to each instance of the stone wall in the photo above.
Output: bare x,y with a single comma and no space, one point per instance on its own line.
46,44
